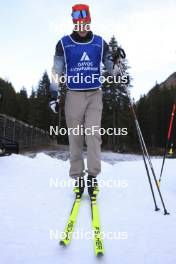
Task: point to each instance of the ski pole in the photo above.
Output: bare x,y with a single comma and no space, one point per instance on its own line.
167,142
143,144
153,172
144,157
149,159
142,147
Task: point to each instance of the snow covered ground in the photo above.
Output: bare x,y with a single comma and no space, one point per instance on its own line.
62,152
35,203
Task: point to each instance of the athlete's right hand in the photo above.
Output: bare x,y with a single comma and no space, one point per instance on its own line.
54,105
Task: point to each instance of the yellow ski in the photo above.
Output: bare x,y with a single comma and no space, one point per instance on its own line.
69,229
98,239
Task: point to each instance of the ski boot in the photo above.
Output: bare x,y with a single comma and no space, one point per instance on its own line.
79,186
92,186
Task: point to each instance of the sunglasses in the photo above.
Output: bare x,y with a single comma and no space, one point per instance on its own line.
79,14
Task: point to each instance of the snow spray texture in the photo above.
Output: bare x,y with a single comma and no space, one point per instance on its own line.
83,58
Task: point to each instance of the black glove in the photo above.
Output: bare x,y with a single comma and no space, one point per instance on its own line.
54,105
120,54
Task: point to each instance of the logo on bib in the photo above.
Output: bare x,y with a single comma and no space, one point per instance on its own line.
85,57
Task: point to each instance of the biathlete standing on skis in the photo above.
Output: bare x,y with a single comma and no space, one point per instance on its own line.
82,53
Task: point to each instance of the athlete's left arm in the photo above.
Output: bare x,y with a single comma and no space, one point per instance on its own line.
107,58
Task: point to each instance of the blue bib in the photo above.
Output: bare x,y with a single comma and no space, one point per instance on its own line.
83,63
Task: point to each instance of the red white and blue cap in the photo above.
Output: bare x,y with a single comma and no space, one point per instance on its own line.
81,13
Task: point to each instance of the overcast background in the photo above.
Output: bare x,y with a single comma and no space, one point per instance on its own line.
29,31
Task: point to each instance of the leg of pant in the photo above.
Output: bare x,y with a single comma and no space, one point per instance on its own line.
74,113
93,118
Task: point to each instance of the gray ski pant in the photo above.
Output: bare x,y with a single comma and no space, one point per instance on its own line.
84,109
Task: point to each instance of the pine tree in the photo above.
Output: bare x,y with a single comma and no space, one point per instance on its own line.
9,104
42,114
115,102
23,104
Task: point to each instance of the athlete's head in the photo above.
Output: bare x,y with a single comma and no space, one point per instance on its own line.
81,17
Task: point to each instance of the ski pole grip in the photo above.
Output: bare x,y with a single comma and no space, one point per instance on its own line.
121,53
